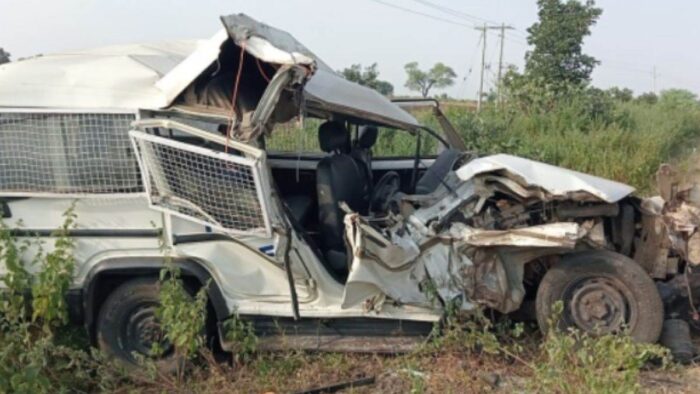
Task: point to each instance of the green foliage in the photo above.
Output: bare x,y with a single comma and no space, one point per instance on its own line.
649,98
240,336
574,362
624,95
625,142
438,77
16,279
32,358
369,76
678,99
557,60
54,278
556,69
181,318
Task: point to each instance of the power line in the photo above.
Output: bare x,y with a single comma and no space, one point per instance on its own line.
452,11
411,11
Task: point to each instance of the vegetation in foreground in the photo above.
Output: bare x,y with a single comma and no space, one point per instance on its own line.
548,113
39,353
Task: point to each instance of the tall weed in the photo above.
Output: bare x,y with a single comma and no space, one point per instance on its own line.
627,146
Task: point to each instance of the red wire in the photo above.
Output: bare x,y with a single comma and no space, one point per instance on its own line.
262,72
235,96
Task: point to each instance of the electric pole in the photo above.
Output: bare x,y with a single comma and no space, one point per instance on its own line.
500,61
484,31
653,79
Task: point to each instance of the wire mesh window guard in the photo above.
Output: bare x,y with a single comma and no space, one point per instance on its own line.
214,188
67,154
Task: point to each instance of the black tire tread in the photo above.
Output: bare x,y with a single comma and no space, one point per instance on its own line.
572,266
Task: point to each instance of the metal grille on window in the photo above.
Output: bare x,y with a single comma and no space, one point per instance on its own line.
214,188
67,154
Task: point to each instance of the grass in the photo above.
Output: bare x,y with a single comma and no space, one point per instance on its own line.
627,148
627,144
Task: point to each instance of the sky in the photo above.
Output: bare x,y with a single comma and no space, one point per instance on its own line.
630,39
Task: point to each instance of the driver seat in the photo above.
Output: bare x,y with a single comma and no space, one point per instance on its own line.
339,178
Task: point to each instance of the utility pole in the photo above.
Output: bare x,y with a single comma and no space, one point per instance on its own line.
500,61
484,31
653,80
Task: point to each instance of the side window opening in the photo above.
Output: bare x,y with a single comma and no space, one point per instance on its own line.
392,143
295,137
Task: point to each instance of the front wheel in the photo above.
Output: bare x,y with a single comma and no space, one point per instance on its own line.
127,326
603,293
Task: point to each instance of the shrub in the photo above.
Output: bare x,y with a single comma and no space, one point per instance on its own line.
182,318
627,144
574,362
32,358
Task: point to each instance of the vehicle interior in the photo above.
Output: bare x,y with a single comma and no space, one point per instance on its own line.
346,170
361,165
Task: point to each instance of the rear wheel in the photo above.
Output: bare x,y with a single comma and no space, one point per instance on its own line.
127,327
603,293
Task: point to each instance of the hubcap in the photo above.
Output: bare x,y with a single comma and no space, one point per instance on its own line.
598,305
142,331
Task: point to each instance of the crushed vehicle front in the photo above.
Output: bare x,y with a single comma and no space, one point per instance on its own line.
470,239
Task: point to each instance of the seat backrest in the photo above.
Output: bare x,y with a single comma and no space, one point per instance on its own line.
362,149
339,177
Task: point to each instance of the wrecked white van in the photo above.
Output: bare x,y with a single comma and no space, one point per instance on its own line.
338,249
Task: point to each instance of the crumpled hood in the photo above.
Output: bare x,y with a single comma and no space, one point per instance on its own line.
556,181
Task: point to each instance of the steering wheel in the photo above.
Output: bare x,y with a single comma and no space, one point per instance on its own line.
387,186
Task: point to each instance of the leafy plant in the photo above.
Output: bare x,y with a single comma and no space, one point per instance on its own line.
55,277
574,362
240,336
182,318
32,358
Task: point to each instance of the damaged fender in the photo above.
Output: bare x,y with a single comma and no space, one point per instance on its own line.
475,267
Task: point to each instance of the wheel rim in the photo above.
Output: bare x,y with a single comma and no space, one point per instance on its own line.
141,331
599,305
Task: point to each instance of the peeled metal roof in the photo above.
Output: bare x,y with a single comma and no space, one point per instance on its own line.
151,76
114,77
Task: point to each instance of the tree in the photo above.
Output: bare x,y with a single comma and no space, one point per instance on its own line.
678,98
624,95
369,76
440,76
647,98
557,60
4,56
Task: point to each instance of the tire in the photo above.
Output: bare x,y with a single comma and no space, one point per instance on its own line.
127,324
603,293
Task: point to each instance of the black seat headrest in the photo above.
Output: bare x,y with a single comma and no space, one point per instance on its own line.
368,137
333,136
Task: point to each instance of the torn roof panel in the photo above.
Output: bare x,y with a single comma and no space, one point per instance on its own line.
557,181
151,76
120,76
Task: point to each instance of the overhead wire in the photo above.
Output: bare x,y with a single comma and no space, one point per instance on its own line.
452,11
409,10
515,35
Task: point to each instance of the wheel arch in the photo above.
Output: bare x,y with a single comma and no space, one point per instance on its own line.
108,274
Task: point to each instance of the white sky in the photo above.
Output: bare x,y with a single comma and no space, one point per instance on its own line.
630,39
